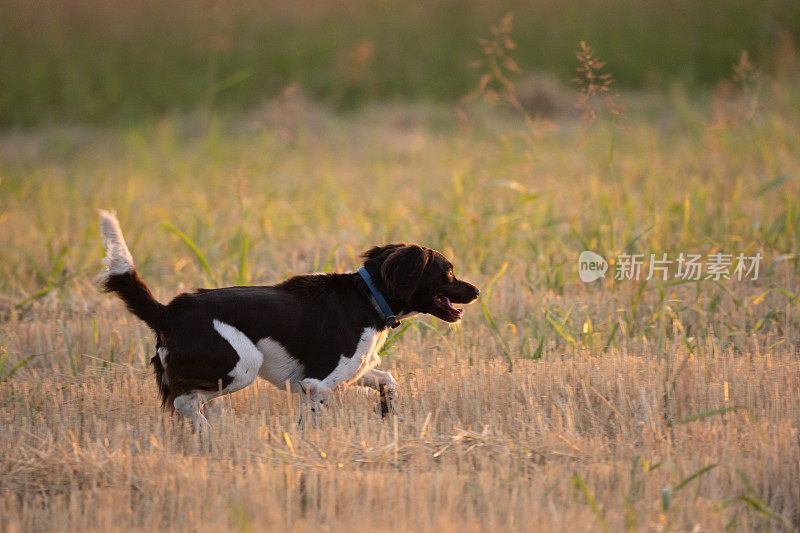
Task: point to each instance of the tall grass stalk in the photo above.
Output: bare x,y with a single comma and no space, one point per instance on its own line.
210,277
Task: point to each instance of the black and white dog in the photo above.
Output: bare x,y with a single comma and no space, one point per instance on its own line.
316,331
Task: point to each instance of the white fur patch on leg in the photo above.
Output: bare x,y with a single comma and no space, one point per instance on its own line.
118,258
349,369
188,405
376,379
312,397
212,408
250,359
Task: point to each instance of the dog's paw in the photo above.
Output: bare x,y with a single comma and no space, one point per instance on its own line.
391,392
391,387
388,397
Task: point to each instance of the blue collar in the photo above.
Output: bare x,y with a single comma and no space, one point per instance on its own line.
377,300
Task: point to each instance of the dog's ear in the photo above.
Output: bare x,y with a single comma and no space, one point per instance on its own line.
377,251
402,270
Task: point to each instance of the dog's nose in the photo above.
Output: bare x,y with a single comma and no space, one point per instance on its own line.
477,292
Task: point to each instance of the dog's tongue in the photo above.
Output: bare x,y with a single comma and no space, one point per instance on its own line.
446,301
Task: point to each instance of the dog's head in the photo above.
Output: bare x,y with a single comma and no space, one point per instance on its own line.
419,280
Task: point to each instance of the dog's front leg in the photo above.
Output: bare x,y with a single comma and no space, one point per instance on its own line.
305,404
385,384
314,395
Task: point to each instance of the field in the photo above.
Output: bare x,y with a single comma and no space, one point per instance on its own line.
556,405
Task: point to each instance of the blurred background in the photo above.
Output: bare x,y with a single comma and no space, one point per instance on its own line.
99,61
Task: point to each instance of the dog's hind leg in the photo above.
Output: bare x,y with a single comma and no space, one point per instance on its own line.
188,405
212,408
248,361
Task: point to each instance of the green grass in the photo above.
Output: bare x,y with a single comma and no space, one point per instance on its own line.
88,60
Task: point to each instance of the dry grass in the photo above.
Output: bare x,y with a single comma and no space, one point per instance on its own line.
474,447
531,426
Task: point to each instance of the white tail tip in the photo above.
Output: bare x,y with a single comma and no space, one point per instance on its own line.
118,258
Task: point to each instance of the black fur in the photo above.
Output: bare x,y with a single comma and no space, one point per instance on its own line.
161,380
137,298
317,318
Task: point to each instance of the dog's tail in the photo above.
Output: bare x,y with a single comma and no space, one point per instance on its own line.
119,275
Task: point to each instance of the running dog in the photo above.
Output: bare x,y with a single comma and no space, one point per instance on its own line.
316,331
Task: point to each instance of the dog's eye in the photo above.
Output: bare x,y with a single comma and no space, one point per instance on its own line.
450,275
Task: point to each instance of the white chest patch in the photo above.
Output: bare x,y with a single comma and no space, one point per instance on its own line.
250,358
353,367
279,366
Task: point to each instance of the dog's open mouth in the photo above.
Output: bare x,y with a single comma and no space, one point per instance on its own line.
443,302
